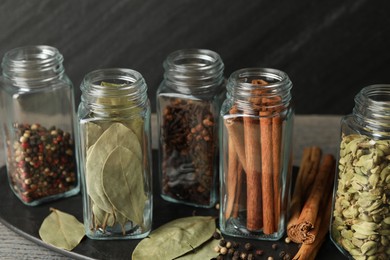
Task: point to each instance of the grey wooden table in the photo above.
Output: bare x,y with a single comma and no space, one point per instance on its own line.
322,131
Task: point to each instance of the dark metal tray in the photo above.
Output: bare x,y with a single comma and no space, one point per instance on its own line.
26,220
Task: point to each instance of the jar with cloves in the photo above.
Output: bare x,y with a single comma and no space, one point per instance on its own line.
360,223
37,112
188,103
256,145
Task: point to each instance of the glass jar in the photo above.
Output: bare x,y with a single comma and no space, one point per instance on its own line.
256,134
114,154
38,114
188,103
360,225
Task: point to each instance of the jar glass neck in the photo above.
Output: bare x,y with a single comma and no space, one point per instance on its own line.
259,89
372,108
32,66
114,92
193,71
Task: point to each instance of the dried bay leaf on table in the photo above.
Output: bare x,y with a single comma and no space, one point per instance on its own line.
61,230
116,135
123,183
205,251
175,238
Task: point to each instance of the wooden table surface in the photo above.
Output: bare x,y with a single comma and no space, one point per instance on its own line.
322,131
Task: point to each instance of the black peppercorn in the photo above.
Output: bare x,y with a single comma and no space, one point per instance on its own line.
216,235
222,242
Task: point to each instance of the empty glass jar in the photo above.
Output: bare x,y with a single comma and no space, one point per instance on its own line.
188,103
360,225
114,154
37,104
256,144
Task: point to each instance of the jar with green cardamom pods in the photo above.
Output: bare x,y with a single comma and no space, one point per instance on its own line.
360,225
114,154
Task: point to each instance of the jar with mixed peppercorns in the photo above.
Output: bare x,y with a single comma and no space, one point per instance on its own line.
188,104
37,104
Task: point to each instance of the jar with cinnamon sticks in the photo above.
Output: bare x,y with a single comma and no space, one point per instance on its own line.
188,104
360,223
257,123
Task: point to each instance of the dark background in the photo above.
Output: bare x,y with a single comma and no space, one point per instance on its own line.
330,49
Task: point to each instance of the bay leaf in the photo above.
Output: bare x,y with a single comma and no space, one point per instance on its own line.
204,251
61,230
116,135
175,238
123,183
93,132
102,218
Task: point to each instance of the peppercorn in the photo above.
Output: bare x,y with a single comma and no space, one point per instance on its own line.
248,246
223,250
216,235
235,244
274,246
251,257
231,251
259,252
222,242
220,257
287,257
243,255
282,254
228,244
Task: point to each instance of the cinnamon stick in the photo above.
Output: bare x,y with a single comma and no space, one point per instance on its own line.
311,158
277,125
253,173
267,172
235,131
231,178
238,198
298,232
309,251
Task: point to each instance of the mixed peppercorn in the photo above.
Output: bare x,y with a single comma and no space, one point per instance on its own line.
247,251
41,162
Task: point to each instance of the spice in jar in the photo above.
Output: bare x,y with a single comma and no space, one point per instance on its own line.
42,162
188,152
361,217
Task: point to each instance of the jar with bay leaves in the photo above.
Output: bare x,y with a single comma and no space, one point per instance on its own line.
37,114
256,145
188,102
114,154
360,225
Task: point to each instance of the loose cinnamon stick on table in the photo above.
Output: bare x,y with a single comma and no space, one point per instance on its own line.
322,185
311,158
309,251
